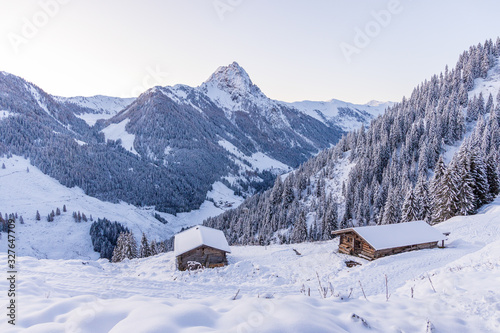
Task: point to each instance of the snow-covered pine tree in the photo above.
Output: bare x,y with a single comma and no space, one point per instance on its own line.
153,248
162,248
144,250
409,211
131,248
330,221
118,252
391,213
480,180
489,104
464,182
492,175
37,217
126,247
440,192
299,232
422,198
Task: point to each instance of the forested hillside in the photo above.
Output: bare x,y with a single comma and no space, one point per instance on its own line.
171,144
431,156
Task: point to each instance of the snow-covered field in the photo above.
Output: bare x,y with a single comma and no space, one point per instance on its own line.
455,289
25,192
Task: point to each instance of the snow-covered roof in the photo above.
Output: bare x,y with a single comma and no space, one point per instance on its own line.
388,236
197,236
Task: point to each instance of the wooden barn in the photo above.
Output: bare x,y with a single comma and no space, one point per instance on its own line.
200,246
373,242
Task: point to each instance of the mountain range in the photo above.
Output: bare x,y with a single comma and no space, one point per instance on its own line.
167,147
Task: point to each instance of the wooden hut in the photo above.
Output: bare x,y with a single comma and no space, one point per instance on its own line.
373,242
200,246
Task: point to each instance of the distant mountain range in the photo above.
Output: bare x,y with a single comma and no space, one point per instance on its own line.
168,146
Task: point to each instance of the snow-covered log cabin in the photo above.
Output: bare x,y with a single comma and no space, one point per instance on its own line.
373,242
200,245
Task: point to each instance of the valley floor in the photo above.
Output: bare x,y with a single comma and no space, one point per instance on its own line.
455,289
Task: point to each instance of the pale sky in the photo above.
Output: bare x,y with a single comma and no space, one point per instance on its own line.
293,50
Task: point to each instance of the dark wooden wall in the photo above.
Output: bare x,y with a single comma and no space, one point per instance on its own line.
206,256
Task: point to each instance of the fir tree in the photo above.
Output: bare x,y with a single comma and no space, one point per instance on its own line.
423,200
58,211
299,232
37,217
480,180
153,247
330,221
440,193
409,211
126,247
461,170
489,105
64,209
144,250
131,248
118,253
492,176
391,214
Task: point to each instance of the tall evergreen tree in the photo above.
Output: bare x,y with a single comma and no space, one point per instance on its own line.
464,182
144,250
480,180
409,211
153,248
422,197
330,221
126,247
118,253
299,232
492,175
391,214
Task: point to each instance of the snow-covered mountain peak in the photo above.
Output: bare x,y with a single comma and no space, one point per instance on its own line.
232,89
230,78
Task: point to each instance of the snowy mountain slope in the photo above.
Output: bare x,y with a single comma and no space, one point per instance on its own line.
118,132
434,290
96,107
228,123
26,193
348,116
391,175
488,85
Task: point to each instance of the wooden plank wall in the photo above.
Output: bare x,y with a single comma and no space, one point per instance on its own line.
206,256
